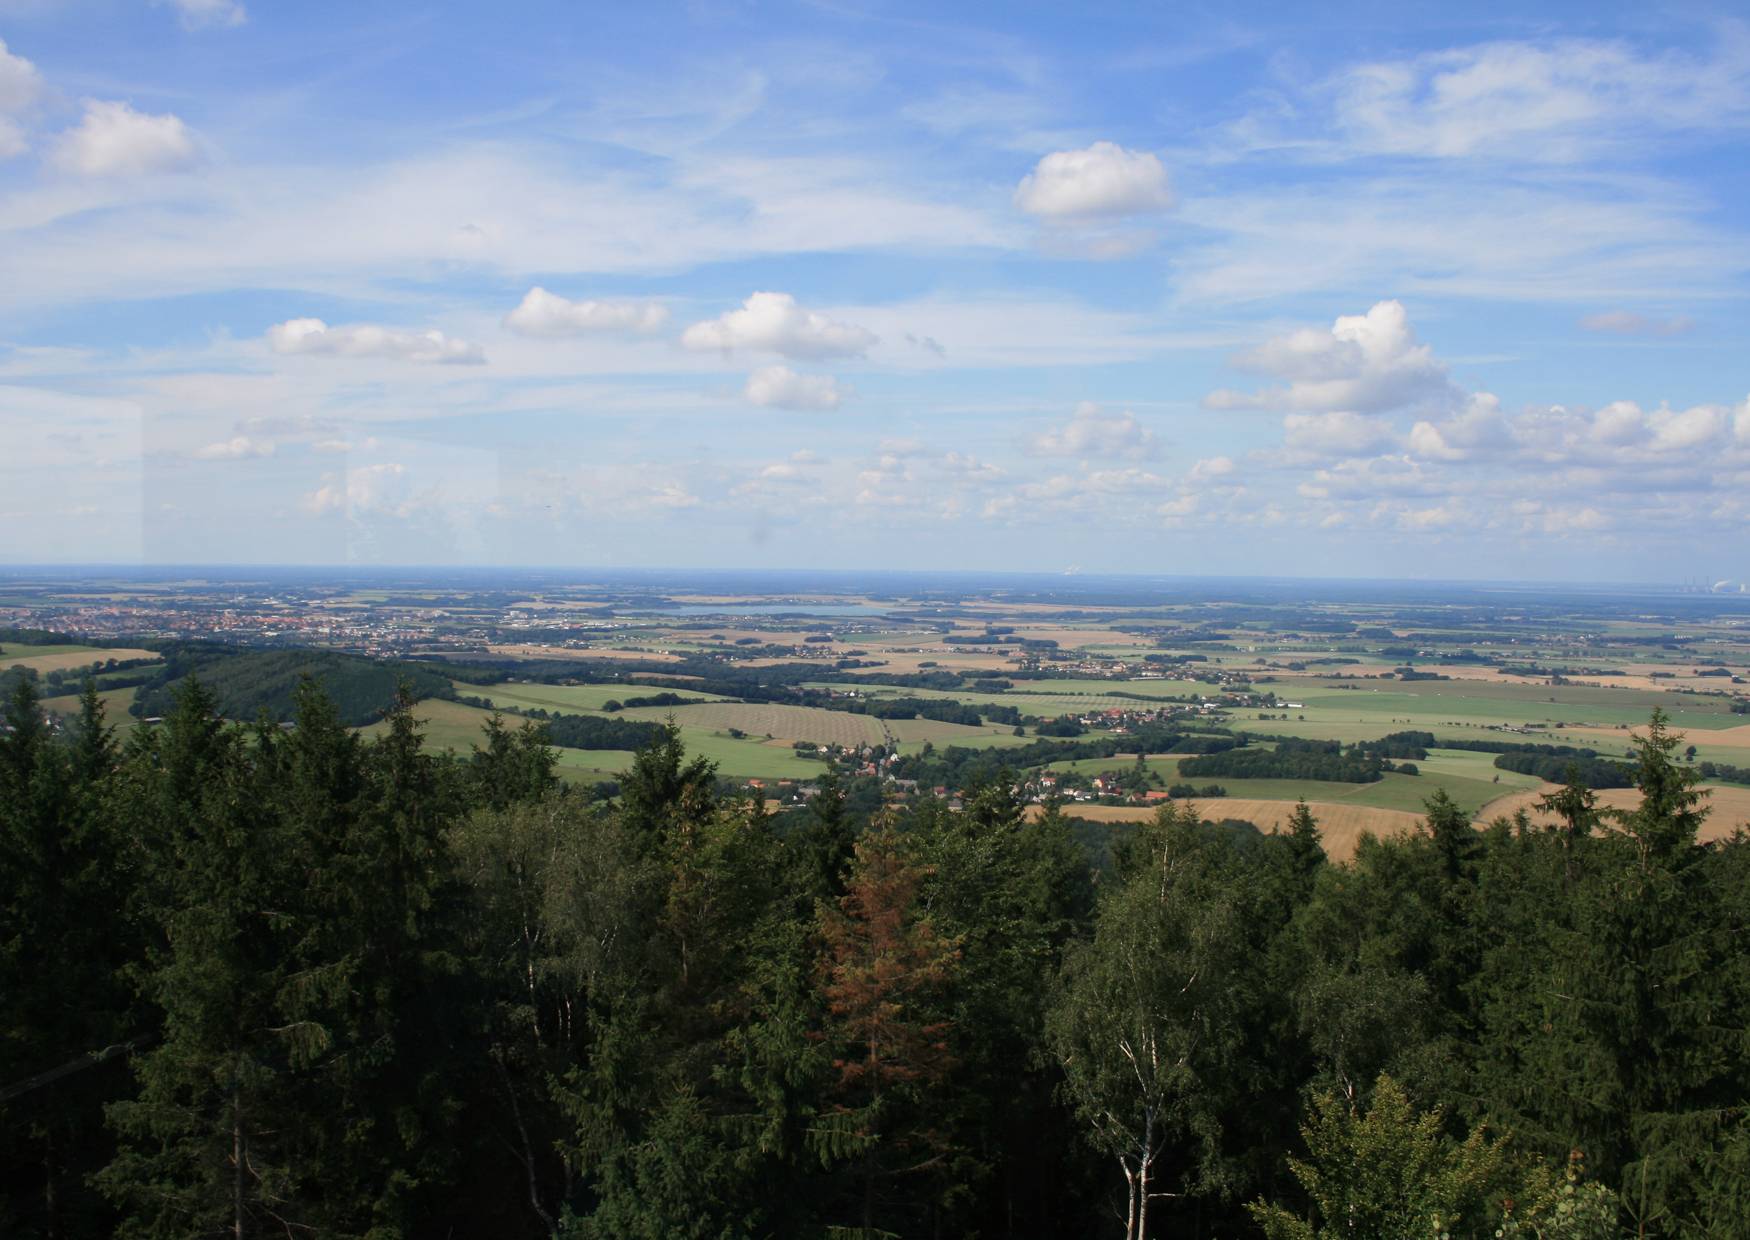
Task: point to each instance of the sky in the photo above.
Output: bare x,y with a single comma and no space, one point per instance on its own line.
1410,290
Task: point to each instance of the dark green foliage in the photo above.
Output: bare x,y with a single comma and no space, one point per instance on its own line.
1325,760
1725,772
594,732
245,685
347,988
1556,768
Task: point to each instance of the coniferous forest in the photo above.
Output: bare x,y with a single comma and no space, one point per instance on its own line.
291,982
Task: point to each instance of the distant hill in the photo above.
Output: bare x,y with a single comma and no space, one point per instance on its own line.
246,683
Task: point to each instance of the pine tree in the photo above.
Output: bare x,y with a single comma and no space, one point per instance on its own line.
62,941
203,1146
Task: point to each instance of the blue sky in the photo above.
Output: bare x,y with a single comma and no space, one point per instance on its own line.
1366,290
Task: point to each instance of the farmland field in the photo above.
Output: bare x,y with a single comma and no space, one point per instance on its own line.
14,650
1728,806
115,707
48,659
790,723
750,758
447,725
1454,704
940,733
568,698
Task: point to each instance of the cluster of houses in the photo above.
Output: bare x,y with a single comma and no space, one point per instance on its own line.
1035,789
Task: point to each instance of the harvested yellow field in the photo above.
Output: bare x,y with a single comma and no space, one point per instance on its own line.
1728,807
1730,738
1340,826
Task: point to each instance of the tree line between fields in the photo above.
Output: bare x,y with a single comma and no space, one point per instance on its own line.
268,982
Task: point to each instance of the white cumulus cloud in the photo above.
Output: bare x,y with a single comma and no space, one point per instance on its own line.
774,323
779,387
313,336
114,140
1093,432
1481,429
1364,363
1104,179
547,314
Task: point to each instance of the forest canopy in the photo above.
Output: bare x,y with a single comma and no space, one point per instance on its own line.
269,982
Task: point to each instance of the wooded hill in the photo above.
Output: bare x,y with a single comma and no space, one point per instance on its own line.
243,684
